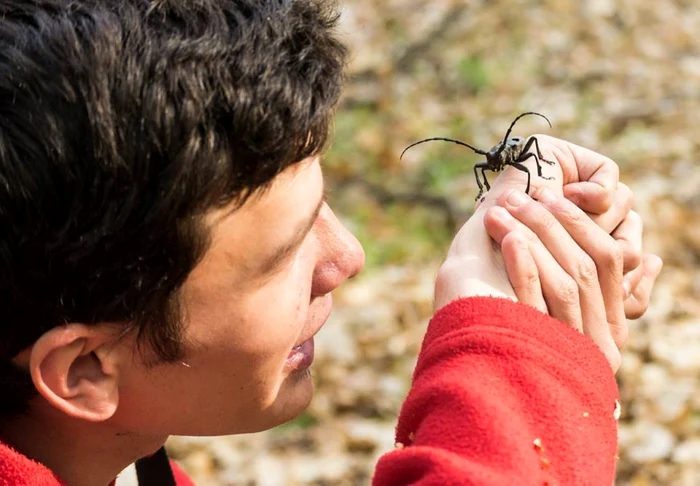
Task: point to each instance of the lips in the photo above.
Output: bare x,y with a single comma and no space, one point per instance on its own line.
302,355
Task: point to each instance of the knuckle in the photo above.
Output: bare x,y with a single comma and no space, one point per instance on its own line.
531,277
527,275
612,167
614,258
572,214
636,221
629,237
568,293
587,272
514,244
642,310
516,240
545,222
527,281
625,196
638,310
631,256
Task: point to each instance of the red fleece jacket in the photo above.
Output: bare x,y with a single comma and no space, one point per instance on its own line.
18,470
502,395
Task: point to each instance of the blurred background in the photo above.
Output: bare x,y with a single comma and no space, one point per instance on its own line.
618,76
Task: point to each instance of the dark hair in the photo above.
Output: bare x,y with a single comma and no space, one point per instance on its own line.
121,123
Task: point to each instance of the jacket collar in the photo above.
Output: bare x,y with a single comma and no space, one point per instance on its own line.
18,470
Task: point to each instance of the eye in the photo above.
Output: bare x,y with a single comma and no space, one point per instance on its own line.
516,139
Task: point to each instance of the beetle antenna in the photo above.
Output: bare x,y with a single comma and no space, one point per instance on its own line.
458,142
510,128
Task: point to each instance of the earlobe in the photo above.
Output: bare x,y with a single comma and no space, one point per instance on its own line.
71,371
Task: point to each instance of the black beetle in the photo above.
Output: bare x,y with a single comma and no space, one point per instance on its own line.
511,151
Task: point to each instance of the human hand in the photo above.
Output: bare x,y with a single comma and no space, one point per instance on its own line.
473,265
591,181
564,264
588,179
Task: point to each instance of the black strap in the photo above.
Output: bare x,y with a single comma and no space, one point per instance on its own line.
155,470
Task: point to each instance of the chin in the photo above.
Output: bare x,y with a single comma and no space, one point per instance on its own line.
293,398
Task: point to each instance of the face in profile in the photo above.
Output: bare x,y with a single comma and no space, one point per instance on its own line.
251,308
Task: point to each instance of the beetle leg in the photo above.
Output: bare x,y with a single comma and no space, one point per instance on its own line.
481,166
537,147
526,155
483,174
520,166
530,142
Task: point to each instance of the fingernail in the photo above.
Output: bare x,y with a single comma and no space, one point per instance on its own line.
517,198
546,196
502,213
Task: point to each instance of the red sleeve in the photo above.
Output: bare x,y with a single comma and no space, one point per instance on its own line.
503,394
181,478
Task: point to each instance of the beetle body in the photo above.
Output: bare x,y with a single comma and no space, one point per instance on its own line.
503,154
512,151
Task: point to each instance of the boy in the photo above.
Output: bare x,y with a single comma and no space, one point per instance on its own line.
166,252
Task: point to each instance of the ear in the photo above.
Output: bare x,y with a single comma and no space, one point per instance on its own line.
73,370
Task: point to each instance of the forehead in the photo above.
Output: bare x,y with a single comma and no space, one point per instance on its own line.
240,236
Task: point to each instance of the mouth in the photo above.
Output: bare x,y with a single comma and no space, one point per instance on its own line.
302,355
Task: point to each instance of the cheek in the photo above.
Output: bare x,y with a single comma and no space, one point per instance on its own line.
258,327
235,352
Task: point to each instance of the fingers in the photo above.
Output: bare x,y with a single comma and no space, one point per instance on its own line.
631,280
559,290
587,253
570,236
638,301
628,235
598,177
606,254
522,271
624,224
623,200
590,179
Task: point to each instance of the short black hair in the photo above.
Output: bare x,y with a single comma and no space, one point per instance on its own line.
121,123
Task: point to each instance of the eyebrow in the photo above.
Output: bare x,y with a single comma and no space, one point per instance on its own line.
280,254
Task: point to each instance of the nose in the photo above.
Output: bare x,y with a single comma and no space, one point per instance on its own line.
341,255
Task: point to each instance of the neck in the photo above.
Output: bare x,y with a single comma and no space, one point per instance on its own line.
80,453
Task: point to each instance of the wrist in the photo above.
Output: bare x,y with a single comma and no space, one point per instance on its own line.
470,276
